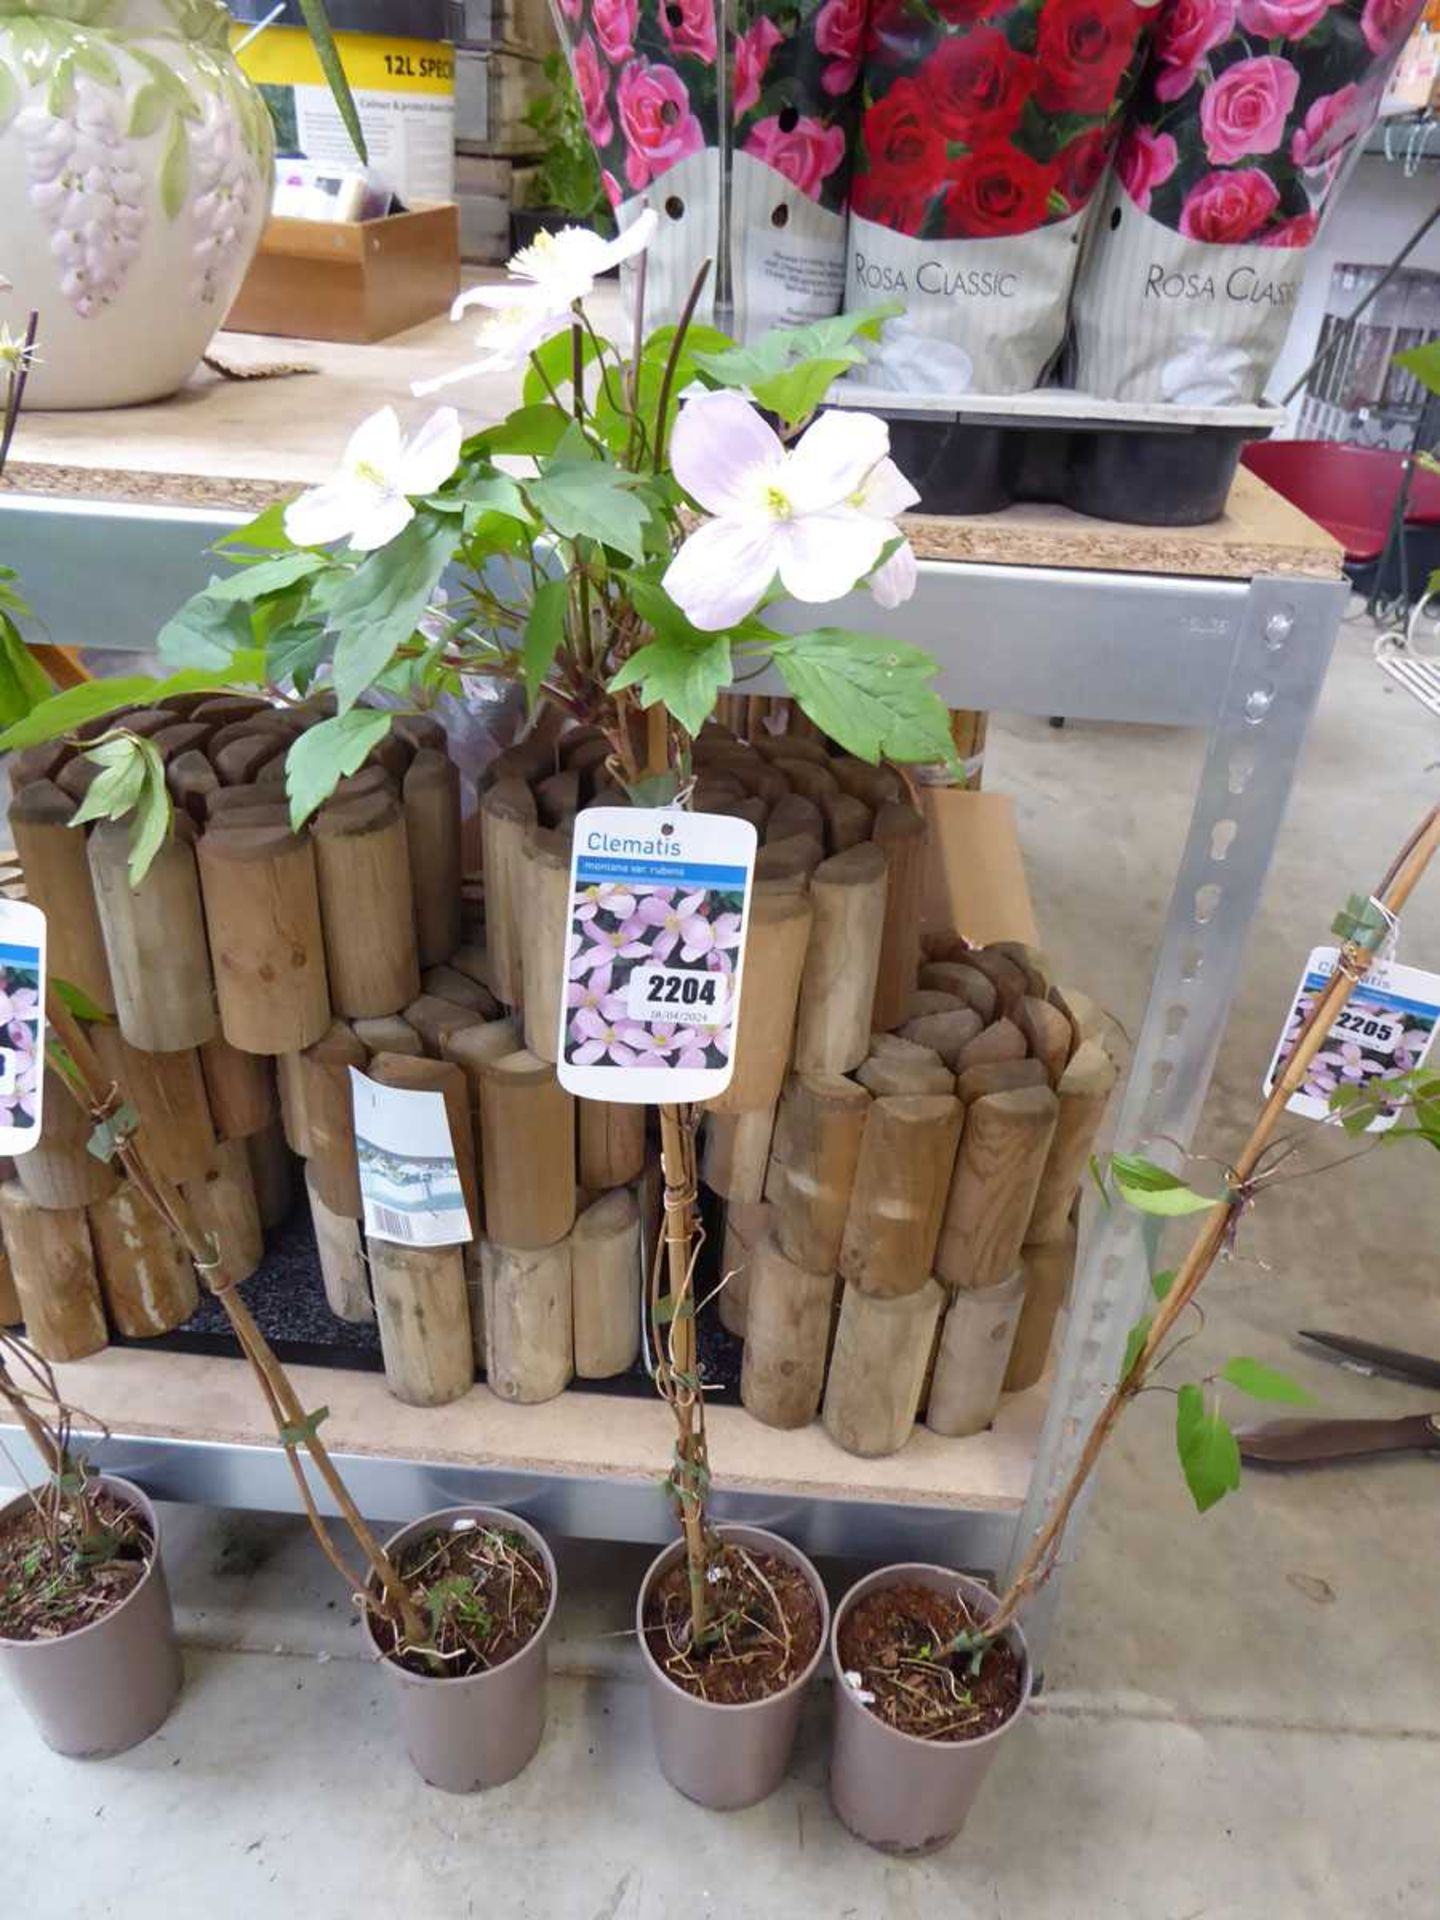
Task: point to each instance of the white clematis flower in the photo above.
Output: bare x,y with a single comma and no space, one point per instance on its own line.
368,500
887,494
547,278
803,514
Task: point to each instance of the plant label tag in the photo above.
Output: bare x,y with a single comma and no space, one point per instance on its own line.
409,1181
22,1024
1384,1030
659,906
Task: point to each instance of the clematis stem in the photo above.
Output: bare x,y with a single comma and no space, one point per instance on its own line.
687,314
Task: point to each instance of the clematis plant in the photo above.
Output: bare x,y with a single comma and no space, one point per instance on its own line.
615,546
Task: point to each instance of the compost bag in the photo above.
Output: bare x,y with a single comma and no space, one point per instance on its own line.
738,132
1241,127
985,130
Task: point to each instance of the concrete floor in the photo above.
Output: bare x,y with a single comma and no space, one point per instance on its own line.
1242,1715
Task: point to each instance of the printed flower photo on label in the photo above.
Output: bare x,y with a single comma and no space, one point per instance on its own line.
20,1062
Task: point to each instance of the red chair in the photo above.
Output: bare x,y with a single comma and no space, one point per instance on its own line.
1350,491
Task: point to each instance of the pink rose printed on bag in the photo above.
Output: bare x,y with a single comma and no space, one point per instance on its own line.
1242,123
680,97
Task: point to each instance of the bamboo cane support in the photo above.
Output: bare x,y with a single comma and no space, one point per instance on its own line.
53,1272
775,946
224,1204
900,835
58,1173
507,815
1049,1270
57,880
975,1343
877,1369
262,908
146,1276
154,940
787,1333
1085,1087
542,895
611,1143
606,1283
167,1091
432,825
423,1314
446,1079
819,1125
1002,1156
343,1268
239,1089
362,867
906,1156
529,1340
847,895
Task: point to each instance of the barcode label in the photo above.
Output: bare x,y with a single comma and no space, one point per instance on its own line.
388,1224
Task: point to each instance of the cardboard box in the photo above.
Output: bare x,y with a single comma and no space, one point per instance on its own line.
353,280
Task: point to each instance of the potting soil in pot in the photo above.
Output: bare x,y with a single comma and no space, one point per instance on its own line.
48,1590
1244,119
890,1639
483,1591
987,128
767,1627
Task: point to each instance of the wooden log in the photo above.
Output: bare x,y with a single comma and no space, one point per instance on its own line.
272,1172
887,1074
290,1084
362,866
155,941
1048,1034
328,1104
975,1342
58,1173
605,1277
818,1129
787,1332
461,990
435,1020
794,744
1084,1089
716,790
367,781
76,777
239,1087
1001,1040
848,822
167,1091
343,1269
420,730
180,736
1032,961
795,816
146,1276
1011,982
1087,1020
542,894
744,1227
225,1205
42,762
57,880
817,784
10,1313
788,862
1049,1270
53,1272
966,983
221,708
238,761
832,1027
925,1000
192,780
906,1157
946,1033
752,809
999,1076
611,1143
507,815
734,1152
529,1339
527,1145
876,786
262,909
423,1315
775,947
1001,1159
557,799
877,1368
431,794
445,1078
900,836
475,1294
473,964
391,1034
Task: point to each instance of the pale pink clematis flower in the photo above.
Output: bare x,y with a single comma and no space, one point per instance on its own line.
886,494
598,993
605,897
697,1039
653,1045
625,942
776,511
670,917
702,936
600,1039
367,502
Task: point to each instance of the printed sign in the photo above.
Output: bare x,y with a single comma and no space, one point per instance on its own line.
658,908
1385,1029
409,1181
22,1024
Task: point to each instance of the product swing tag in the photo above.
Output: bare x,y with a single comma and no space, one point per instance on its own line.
22,1025
1384,1030
659,907
410,1184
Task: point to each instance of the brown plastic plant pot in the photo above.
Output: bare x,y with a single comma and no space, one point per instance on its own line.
892,1790
106,1687
481,1729
726,1757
